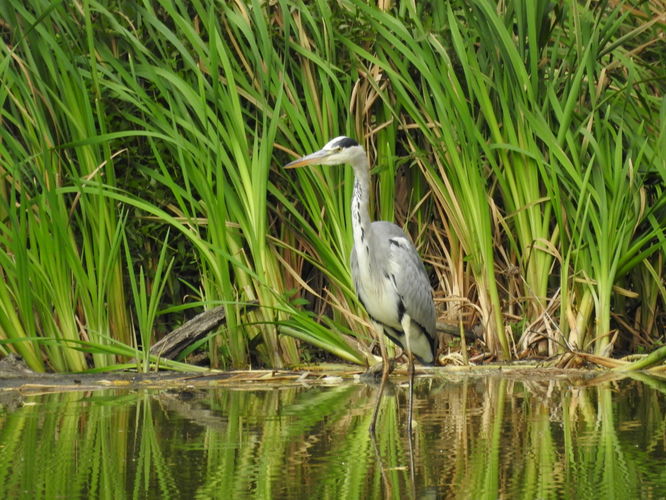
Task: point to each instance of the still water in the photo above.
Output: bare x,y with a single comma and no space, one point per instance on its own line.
474,437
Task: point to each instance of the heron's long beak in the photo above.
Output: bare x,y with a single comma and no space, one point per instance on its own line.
311,159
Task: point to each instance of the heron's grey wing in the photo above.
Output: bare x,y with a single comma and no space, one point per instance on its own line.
409,275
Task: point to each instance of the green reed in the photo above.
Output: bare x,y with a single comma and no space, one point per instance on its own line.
520,144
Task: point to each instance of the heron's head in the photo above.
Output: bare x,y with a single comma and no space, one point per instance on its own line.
337,151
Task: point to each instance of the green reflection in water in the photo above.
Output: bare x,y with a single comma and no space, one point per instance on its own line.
475,437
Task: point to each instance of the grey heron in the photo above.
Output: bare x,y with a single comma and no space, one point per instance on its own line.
390,279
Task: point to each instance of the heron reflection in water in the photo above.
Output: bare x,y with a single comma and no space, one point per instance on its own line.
389,276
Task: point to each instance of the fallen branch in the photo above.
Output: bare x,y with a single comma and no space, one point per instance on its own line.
174,342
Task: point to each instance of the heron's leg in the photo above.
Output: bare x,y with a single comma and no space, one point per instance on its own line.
410,434
379,330
406,327
388,489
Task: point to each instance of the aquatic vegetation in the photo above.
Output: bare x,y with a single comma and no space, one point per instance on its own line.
521,144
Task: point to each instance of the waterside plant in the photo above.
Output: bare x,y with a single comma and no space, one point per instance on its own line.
521,143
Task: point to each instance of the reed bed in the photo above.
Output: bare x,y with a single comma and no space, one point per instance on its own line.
521,144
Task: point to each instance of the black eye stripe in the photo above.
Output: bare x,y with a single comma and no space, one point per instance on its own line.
346,142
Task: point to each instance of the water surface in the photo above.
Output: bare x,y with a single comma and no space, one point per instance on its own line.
474,437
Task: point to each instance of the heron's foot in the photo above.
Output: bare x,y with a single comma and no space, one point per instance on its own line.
375,372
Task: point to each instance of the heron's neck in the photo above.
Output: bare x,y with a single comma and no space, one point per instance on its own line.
359,207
